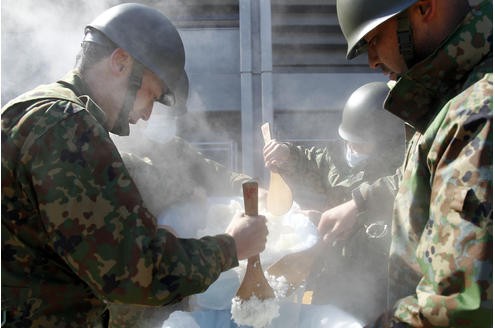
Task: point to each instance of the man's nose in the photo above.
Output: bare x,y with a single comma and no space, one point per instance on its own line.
147,112
373,58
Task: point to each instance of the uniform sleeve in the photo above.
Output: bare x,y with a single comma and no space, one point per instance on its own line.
96,222
455,250
211,175
377,196
312,167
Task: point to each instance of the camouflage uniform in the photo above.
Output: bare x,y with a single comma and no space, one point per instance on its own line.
363,258
75,231
174,173
441,264
320,177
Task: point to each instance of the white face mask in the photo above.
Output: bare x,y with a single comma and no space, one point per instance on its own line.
161,127
354,158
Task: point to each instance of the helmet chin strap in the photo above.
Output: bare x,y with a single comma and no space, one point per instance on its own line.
404,36
121,126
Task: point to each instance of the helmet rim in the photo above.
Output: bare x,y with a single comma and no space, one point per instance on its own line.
358,17
136,28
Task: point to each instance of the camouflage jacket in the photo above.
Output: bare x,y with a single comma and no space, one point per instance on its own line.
75,232
166,175
441,262
323,173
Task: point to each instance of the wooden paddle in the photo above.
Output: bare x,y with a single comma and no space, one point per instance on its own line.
254,282
296,267
279,197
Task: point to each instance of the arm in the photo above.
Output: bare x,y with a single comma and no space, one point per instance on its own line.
309,169
373,198
176,172
212,176
377,196
97,223
454,253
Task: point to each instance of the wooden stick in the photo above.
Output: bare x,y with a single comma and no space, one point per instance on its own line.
254,282
279,199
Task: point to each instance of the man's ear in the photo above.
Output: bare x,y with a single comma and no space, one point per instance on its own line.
120,61
426,9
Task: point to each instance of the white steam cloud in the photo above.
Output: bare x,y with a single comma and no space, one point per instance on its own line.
40,40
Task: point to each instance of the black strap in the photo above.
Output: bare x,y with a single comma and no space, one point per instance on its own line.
121,126
404,36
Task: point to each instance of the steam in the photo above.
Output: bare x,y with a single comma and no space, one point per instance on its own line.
40,40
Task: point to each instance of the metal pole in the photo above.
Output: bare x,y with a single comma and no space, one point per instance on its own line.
246,70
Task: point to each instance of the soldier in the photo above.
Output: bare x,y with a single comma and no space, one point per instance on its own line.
371,146
75,232
171,175
440,53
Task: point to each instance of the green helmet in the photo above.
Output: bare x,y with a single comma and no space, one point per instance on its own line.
364,120
149,37
358,17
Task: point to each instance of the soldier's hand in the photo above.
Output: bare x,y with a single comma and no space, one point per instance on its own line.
338,222
249,233
275,154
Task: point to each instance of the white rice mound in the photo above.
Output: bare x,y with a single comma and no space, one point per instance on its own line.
254,312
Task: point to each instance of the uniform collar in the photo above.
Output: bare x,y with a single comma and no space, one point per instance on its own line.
74,81
424,89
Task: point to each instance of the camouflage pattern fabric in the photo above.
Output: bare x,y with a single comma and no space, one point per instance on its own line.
363,258
323,173
142,316
75,231
169,174
441,262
